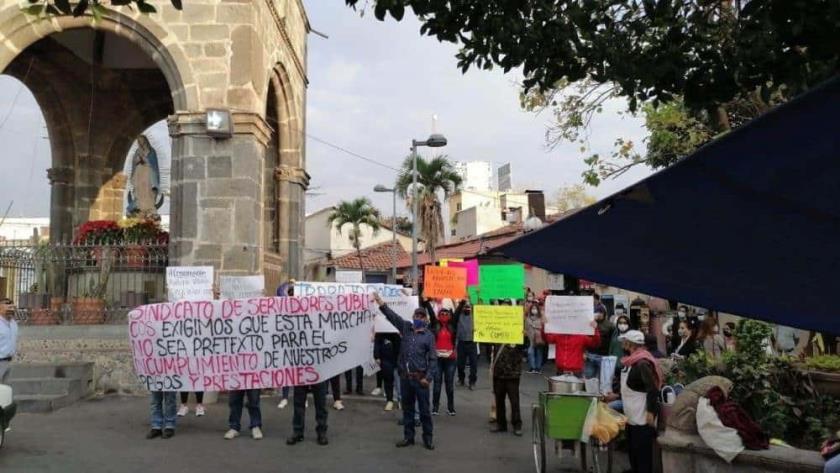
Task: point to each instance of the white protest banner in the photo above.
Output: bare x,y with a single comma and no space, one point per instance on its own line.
189,283
242,287
305,288
403,305
259,343
345,276
556,282
569,315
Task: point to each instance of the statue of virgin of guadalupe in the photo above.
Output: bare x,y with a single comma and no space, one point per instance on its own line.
144,195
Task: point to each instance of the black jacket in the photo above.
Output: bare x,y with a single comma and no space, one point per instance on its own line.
386,347
435,324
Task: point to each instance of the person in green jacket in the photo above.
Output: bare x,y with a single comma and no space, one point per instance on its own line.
622,325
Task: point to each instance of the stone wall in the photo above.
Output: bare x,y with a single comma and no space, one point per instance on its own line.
106,346
685,453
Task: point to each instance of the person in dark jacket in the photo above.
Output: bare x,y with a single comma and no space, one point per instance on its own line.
445,328
592,357
386,346
416,364
467,352
641,380
686,345
507,370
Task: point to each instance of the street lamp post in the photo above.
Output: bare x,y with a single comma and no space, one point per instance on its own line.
393,191
435,140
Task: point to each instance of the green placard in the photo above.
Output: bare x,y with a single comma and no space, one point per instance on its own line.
502,281
473,292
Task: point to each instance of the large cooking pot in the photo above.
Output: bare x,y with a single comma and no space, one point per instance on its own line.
565,384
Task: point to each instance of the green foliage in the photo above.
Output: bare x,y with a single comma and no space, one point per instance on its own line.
356,213
824,363
674,133
652,51
96,8
777,395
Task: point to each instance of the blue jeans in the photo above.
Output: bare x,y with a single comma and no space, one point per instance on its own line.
163,407
592,365
235,402
617,405
832,465
535,357
412,391
445,374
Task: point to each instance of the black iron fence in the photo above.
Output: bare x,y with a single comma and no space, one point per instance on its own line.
81,284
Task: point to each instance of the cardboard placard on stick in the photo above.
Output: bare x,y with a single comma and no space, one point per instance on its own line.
445,282
472,270
569,315
189,283
498,324
241,287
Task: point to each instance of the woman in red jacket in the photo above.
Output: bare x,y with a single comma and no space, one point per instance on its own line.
568,353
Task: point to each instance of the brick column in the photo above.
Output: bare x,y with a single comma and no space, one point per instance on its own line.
292,183
216,206
61,203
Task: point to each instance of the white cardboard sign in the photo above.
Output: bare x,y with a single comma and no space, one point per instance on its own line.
189,283
242,287
570,315
345,276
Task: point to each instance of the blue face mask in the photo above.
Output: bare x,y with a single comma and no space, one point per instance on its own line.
419,324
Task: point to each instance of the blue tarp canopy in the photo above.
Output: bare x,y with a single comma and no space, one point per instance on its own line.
749,224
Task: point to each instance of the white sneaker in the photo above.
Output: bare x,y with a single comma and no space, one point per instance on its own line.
376,392
389,406
306,404
183,410
199,410
338,405
283,404
231,434
256,432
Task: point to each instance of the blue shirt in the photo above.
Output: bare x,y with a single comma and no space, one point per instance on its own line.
417,348
8,337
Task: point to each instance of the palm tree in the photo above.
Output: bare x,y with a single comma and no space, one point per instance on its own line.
356,212
434,177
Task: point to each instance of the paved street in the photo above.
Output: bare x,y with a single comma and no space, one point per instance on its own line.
107,435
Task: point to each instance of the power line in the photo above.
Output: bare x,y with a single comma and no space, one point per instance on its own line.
351,153
17,94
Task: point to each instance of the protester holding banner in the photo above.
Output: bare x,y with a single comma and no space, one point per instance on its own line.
360,379
386,346
592,357
199,404
416,365
507,370
335,389
444,326
319,393
568,349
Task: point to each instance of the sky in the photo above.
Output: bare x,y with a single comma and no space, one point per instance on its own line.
374,86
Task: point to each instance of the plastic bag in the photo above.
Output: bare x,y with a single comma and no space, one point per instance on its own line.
607,372
724,440
602,423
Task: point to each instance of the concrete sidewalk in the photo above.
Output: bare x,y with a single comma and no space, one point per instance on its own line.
107,435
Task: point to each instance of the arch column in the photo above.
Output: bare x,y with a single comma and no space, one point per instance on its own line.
216,187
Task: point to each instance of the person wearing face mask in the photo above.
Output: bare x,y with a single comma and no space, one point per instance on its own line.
467,351
533,330
444,326
592,357
670,328
417,363
622,325
686,344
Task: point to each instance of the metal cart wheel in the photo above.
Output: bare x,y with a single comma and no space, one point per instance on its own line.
598,457
538,431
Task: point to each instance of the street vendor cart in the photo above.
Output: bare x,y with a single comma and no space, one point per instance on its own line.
561,417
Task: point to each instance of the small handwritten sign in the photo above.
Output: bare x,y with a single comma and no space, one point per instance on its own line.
569,315
498,324
189,283
445,282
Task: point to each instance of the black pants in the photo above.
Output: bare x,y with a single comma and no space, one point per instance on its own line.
387,371
319,392
335,387
507,388
199,397
467,352
640,439
348,378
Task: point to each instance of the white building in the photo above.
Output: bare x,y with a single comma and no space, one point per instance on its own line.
24,228
325,243
476,175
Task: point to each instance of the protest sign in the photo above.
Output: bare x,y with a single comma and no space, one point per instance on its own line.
501,281
473,293
569,315
445,282
241,287
498,324
472,270
448,261
403,305
345,276
258,343
305,288
189,283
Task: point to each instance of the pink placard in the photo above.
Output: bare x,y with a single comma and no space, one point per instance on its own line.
472,270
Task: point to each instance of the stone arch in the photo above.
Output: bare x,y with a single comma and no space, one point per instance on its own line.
20,32
286,179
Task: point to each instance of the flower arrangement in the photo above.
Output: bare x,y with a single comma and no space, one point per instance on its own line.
98,232
142,230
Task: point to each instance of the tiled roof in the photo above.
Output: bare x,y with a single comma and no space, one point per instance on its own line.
376,257
482,244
